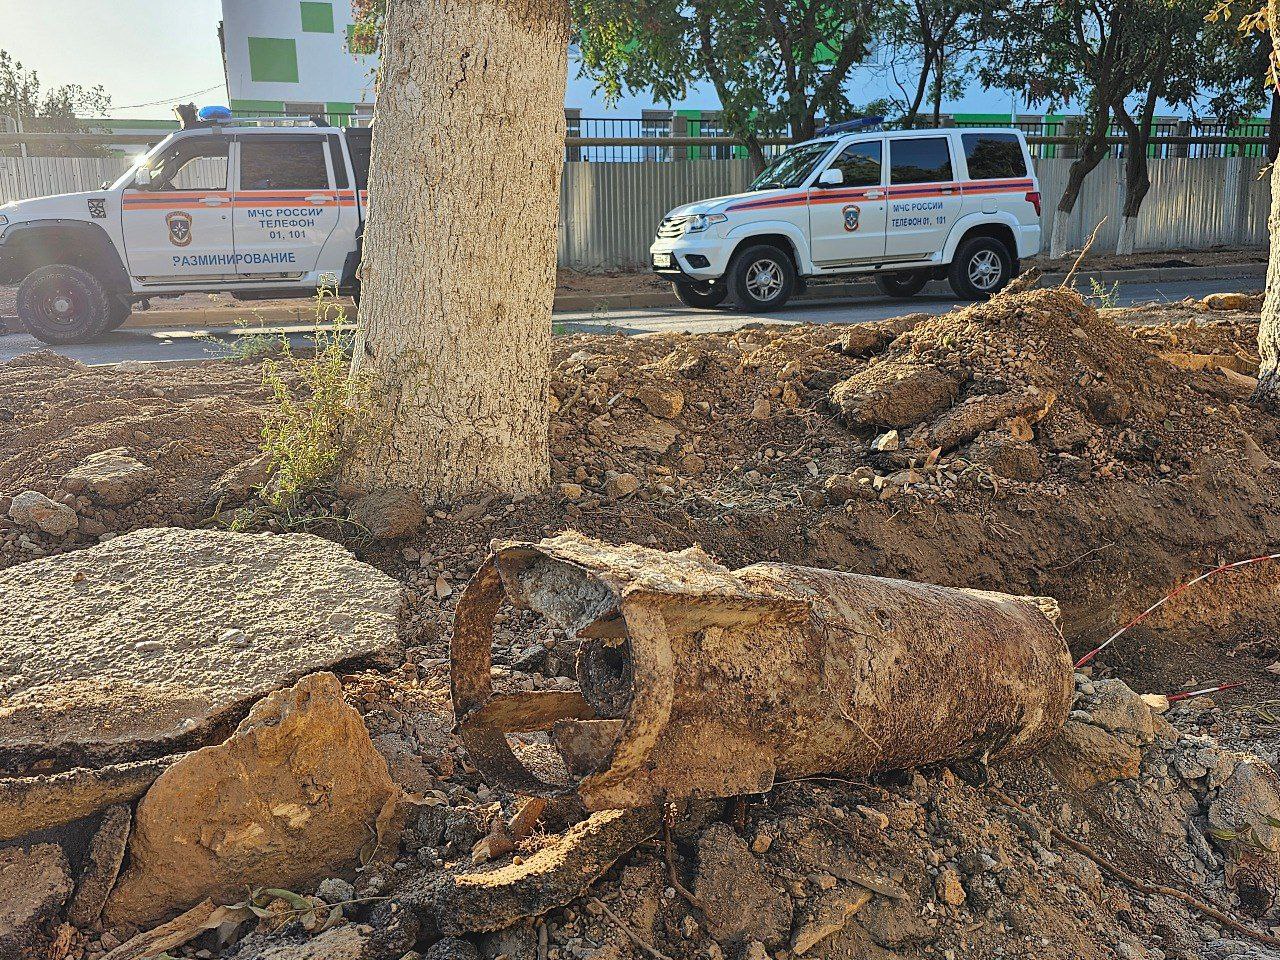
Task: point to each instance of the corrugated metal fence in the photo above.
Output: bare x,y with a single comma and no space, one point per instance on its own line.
608,211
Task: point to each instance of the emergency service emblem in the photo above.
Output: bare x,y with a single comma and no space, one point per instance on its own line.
98,208
179,228
852,214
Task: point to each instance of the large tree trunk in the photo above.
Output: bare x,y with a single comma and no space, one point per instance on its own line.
454,333
1268,393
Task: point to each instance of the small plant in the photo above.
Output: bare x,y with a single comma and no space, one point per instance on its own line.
1106,298
316,403
249,343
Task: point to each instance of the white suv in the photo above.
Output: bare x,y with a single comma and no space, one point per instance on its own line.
905,206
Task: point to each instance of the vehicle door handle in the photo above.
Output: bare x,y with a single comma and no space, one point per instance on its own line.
874,194
213,201
319,198
948,190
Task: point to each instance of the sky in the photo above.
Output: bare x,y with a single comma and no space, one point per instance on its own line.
142,51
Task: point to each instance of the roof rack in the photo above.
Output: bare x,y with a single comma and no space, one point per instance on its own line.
856,125
190,118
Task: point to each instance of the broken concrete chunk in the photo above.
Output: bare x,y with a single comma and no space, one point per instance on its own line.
663,402
1117,709
101,867
35,510
1243,816
113,478
1083,756
32,803
144,644
351,941
35,883
1006,457
291,797
488,900
700,681
826,915
739,902
977,415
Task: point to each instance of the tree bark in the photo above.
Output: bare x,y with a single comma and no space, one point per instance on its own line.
454,334
1267,394
1092,154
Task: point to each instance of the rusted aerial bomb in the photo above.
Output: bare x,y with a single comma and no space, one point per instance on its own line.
698,681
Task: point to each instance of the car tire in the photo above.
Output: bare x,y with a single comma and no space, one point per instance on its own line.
761,278
700,296
61,304
902,286
118,312
981,268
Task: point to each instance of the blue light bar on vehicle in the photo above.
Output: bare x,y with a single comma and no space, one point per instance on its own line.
853,126
214,114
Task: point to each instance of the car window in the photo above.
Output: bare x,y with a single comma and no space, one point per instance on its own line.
191,165
360,150
269,163
994,156
860,164
919,160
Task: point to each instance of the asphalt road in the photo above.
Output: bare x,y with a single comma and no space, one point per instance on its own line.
161,345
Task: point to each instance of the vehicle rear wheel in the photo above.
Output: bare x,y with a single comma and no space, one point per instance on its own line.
982,268
761,278
701,296
902,285
62,303
119,311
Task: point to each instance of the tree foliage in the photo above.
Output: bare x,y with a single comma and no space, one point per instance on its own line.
931,42
776,65
56,110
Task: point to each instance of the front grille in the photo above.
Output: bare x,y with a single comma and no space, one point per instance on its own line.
672,227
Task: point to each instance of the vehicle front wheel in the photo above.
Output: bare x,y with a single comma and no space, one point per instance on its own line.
982,268
900,286
62,303
762,278
701,296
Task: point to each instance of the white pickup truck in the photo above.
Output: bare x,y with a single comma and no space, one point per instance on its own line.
257,208
905,207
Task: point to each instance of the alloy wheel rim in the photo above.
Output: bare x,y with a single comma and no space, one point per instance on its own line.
764,280
985,269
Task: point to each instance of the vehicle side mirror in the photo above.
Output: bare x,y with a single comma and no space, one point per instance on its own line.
831,177
142,177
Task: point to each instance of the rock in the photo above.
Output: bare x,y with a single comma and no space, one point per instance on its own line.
1232,301
101,867
864,339
647,433
977,415
892,393
1006,457
335,890
618,485
887,442
113,478
571,491
1117,709
755,950
826,915
1083,756
762,409
389,514
663,402
388,935
1064,428
36,883
843,487
37,802
451,948
693,464
33,509
1247,807
292,796
144,644
739,900
237,484
950,888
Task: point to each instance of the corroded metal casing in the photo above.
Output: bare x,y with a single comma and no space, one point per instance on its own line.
700,681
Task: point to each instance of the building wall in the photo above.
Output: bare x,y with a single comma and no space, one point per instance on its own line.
291,55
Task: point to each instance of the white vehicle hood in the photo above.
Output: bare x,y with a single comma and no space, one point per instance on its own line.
720,204
69,206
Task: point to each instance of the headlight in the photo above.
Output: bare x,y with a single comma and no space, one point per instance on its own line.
4,224
701,221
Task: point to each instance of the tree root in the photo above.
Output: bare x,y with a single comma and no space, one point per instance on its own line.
1226,920
631,934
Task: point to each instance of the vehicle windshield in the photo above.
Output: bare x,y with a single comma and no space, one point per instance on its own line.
146,159
792,168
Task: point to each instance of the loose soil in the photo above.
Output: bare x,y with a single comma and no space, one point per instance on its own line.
1031,445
